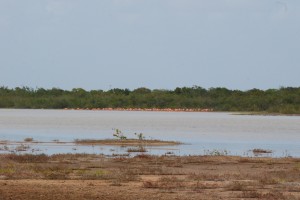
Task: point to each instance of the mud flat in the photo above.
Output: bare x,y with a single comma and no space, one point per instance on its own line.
127,142
91,176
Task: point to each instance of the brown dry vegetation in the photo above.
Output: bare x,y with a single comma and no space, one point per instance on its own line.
87,176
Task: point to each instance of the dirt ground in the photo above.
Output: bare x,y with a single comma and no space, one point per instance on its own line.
82,176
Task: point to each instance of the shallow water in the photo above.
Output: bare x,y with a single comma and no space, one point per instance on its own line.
201,132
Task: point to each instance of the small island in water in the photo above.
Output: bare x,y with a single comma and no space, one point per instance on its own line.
122,140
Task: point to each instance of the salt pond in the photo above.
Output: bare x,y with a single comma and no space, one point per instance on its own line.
202,133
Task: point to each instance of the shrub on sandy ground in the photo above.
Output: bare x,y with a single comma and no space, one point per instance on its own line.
143,156
138,149
57,171
273,195
250,194
237,186
28,140
276,195
27,158
261,151
150,184
212,177
165,182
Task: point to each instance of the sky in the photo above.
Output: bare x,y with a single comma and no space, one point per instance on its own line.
158,44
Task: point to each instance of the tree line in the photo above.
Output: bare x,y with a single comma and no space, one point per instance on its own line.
284,100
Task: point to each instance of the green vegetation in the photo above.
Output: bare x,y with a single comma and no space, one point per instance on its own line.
140,136
285,100
119,135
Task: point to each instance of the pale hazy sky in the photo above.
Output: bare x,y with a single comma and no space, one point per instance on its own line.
159,44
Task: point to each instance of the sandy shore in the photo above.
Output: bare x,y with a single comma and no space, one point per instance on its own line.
83,176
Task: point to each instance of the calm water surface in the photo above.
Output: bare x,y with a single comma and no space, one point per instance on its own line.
201,132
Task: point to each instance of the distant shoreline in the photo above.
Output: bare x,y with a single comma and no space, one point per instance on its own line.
185,99
204,110
264,114
181,110
147,109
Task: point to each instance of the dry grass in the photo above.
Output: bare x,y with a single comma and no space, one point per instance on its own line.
224,176
237,186
166,183
26,158
250,194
